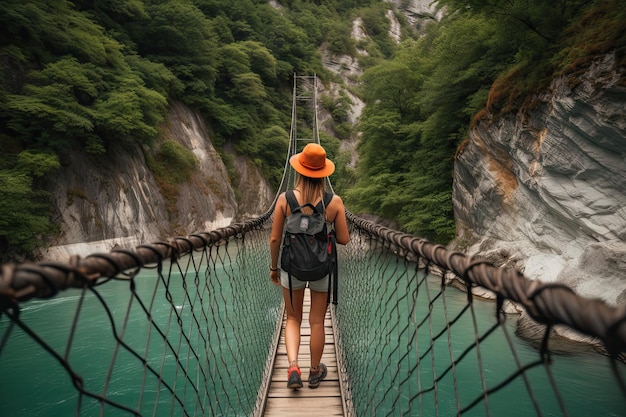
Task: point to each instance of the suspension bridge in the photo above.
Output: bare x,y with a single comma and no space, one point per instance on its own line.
192,326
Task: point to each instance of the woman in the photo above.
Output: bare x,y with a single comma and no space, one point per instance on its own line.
312,167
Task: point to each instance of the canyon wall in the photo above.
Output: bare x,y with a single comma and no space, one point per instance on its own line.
543,190
113,200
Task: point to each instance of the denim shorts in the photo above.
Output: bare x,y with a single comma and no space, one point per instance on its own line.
321,285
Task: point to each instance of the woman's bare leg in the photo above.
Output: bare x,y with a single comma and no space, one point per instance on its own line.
293,306
316,320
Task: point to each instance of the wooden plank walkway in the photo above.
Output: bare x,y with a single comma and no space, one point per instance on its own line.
325,400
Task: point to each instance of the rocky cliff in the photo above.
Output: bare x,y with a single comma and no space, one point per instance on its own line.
113,200
544,190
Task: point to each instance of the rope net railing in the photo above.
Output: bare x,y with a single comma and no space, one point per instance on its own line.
413,342
189,327
178,328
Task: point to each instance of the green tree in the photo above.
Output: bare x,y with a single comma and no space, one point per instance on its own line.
418,108
24,211
180,36
377,26
269,148
545,20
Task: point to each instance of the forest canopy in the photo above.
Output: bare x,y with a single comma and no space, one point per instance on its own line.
88,75
92,74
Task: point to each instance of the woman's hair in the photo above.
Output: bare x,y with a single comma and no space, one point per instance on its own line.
311,189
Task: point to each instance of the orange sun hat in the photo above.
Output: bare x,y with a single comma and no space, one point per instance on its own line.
312,162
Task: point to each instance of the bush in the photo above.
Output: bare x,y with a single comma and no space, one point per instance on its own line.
173,163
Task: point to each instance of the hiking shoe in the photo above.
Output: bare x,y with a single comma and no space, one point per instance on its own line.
294,379
315,379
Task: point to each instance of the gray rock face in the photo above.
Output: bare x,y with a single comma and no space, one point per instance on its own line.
256,194
418,12
207,200
113,201
544,191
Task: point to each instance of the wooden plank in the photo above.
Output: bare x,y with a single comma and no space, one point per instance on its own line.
326,399
304,360
326,389
329,349
302,407
305,337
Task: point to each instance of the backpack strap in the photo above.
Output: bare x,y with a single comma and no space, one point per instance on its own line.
320,207
332,251
291,200
327,198
333,287
293,204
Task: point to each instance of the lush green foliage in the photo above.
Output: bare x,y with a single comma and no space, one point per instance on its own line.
270,151
172,164
87,75
24,211
421,102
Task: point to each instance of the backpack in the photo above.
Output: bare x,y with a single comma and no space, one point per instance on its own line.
309,250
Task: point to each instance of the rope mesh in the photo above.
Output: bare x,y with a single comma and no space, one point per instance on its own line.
189,334
413,344
189,327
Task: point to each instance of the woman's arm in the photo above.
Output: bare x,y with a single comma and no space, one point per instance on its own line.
277,229
341,225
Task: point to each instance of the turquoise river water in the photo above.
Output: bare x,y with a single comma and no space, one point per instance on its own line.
33,384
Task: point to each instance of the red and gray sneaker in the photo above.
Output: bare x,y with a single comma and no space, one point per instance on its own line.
316,378
294,378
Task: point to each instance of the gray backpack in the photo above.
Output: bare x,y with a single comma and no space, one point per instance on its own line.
308,252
